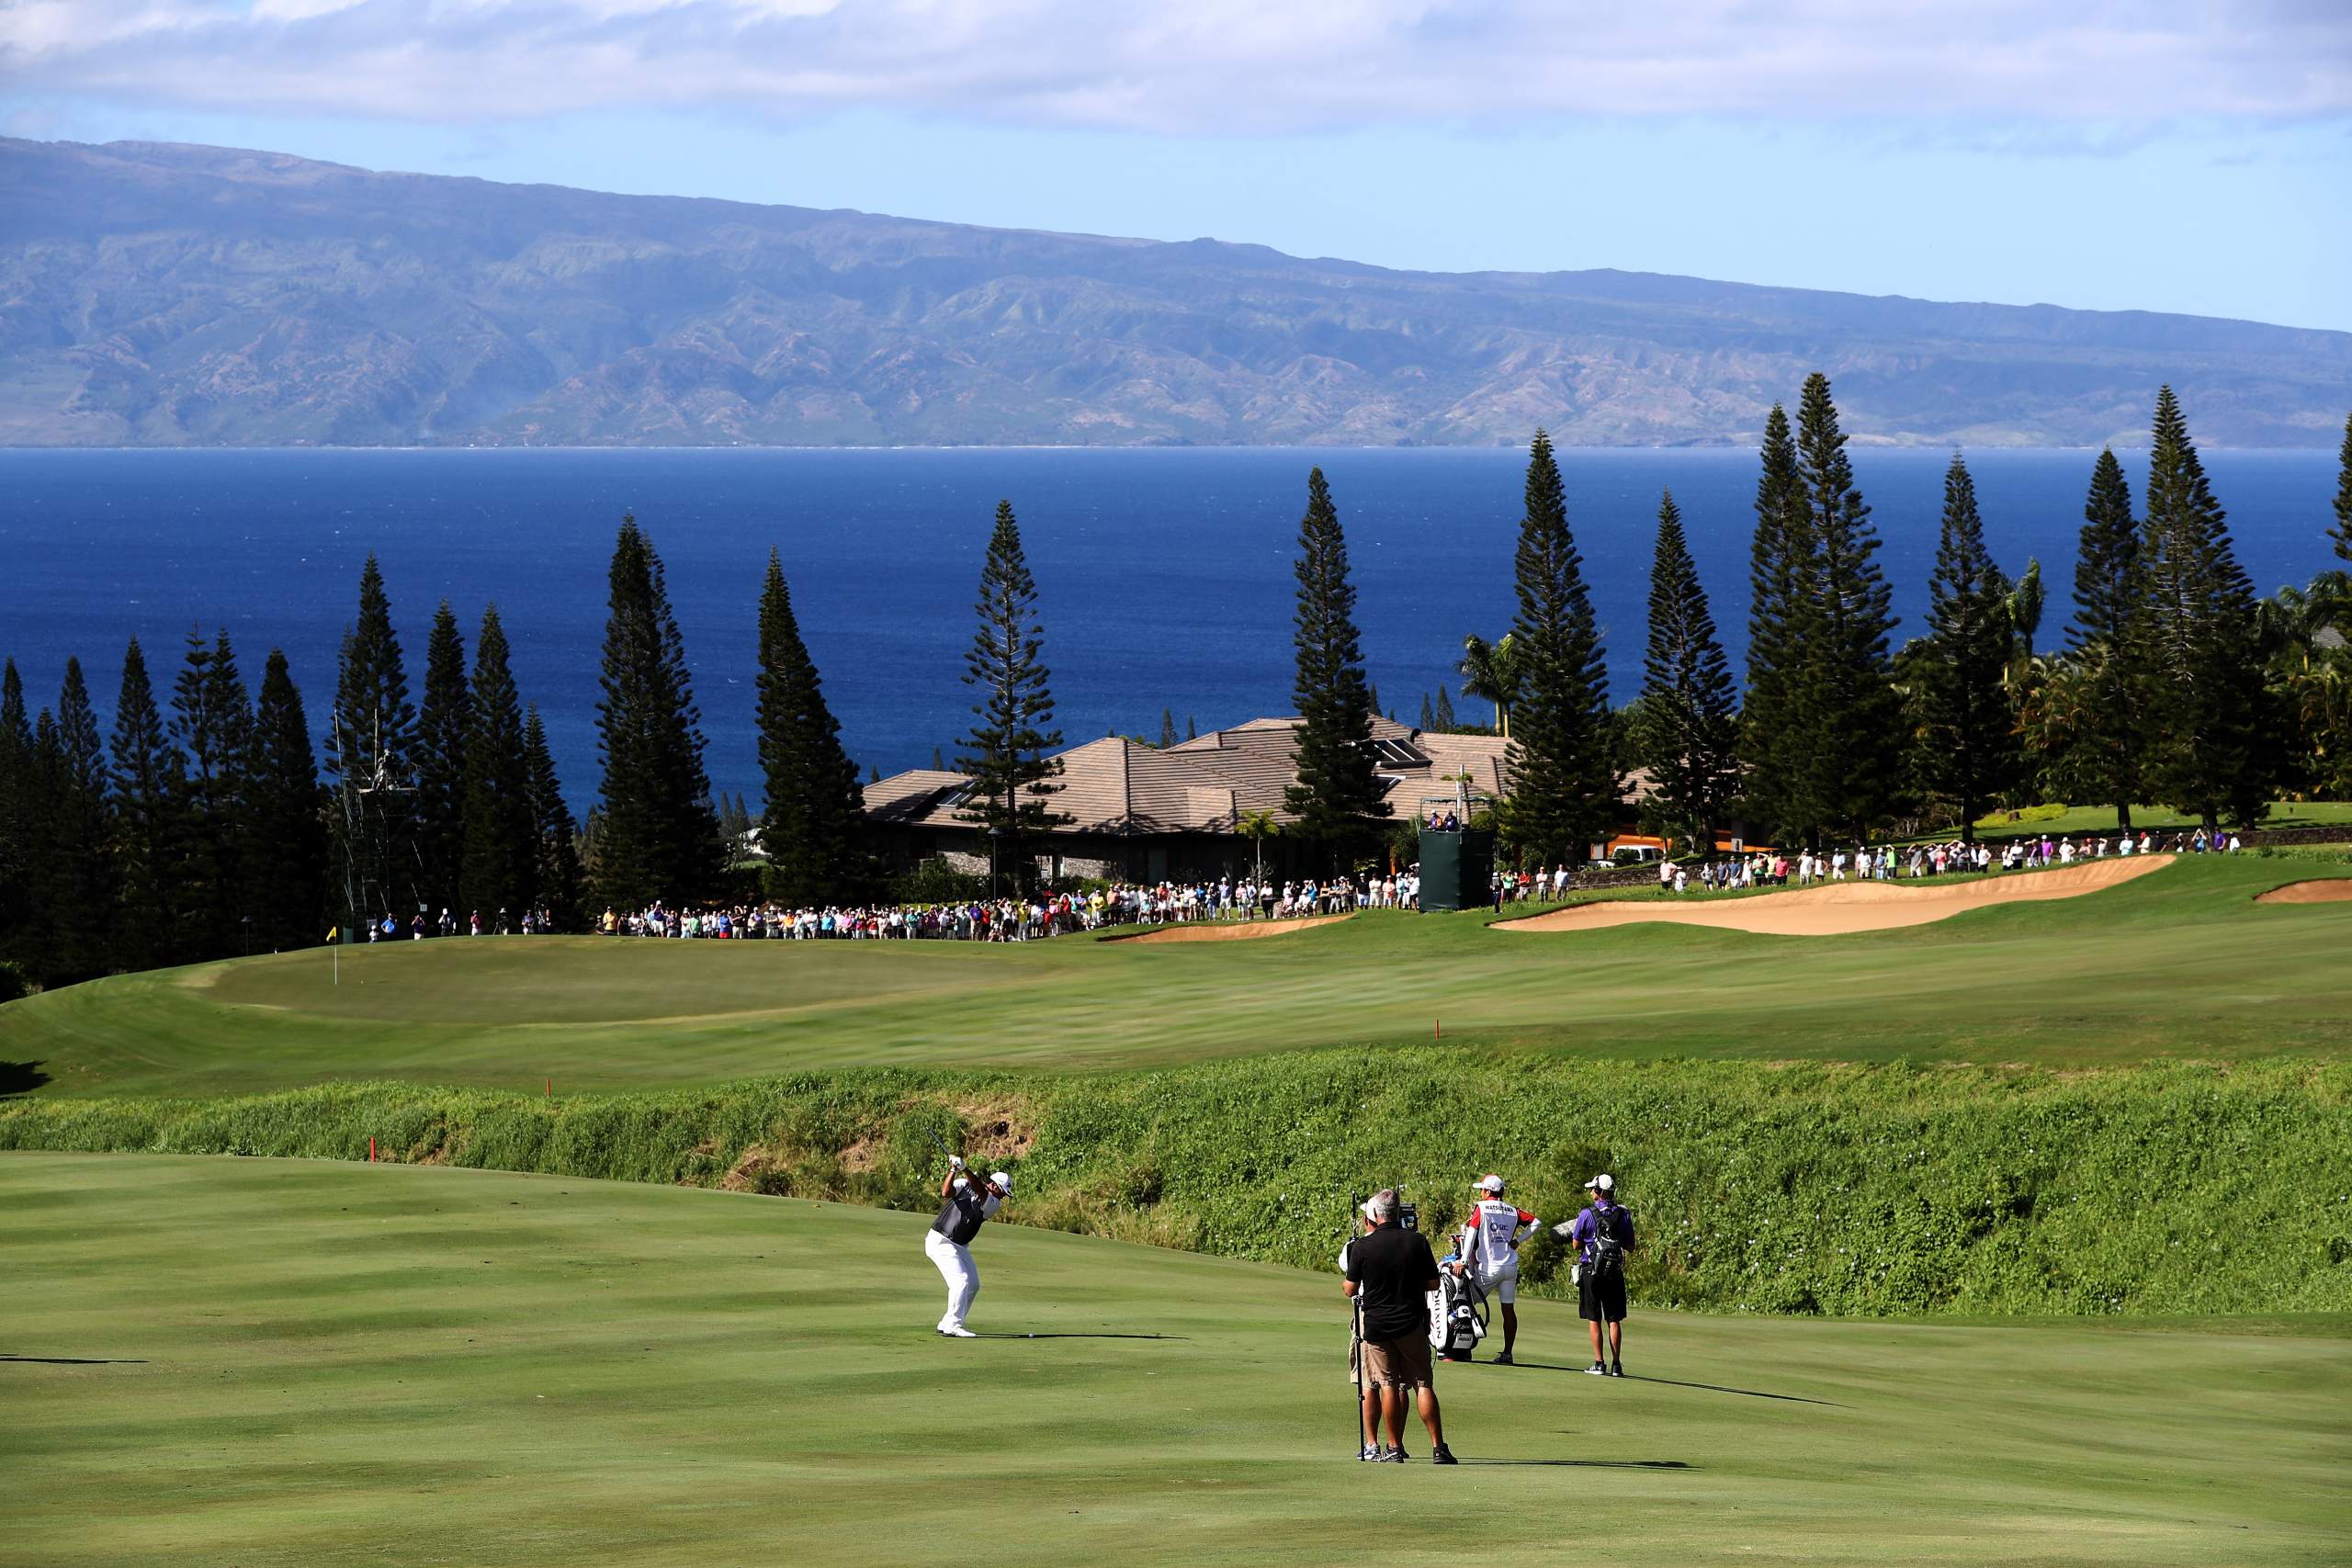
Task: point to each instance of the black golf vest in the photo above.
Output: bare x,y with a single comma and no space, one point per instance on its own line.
961,1216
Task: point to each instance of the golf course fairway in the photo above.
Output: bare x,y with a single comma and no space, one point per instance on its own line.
255,1362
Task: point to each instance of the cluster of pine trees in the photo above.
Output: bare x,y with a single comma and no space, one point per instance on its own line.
2177,685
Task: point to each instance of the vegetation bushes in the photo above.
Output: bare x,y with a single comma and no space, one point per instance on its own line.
1847,1191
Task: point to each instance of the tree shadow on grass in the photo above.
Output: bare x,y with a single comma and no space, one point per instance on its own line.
1079,1336
20,1077
1709,1387
1591,1464
72,1361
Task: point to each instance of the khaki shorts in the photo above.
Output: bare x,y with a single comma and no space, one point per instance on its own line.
1397,1363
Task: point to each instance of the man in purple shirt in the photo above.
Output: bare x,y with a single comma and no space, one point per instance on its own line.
1603,1234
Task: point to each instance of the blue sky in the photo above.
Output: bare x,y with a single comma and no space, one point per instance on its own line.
2170,156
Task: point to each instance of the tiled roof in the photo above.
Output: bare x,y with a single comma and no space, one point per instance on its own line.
1205,786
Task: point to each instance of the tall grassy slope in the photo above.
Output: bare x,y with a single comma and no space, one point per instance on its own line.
350,1365
1854,1191
2181,964
164,295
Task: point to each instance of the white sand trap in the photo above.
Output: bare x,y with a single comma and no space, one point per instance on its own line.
1840,908
1237,930
2324,890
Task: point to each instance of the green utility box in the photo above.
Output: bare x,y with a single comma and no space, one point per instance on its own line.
1457,868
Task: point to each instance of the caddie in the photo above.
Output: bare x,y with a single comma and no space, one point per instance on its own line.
1490,1249
962,1209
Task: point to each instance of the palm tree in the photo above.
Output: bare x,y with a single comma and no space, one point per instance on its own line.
1258,827
1493,671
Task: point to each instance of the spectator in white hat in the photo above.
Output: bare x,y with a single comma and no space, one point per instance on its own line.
1603,1234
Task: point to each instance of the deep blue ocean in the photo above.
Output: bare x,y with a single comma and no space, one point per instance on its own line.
1164,575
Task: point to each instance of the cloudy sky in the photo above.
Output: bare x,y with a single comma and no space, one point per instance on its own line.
2168,154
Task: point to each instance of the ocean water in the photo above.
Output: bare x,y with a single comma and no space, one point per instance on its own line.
1164,575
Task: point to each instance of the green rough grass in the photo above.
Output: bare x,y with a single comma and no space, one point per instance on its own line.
2160,819
1847,1190
2180,964
215,1362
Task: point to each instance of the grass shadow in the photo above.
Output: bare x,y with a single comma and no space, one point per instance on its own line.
1589,1463
1709,1387
20,1077
1080,1337
72,1361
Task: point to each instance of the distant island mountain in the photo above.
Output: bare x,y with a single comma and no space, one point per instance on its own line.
155,295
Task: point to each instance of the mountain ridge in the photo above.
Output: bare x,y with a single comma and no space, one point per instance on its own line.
162,294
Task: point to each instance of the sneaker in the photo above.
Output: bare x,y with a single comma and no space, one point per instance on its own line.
1595,1371
1369,1454
959,1332
1503,1359
1394,1456
1443,1456
1618,1370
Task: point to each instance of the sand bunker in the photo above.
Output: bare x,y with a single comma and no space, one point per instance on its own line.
1840,908
2325,890
1237,930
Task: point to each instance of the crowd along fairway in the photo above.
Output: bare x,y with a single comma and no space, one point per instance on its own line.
2183,964
218,1361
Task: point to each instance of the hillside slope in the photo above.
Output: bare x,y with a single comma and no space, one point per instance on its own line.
168,295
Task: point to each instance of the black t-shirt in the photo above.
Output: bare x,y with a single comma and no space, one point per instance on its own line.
1392,1268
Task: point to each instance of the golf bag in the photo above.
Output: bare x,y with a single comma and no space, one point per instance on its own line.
1458,1315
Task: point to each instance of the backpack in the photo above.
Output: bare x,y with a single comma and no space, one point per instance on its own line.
1608,1260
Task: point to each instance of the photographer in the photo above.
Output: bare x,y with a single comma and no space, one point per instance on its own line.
1390,1273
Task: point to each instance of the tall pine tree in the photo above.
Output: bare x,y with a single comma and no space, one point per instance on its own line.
444,720
148,784
1563,786
1965,719
1004,755
1338,790
1686,733
287,873
371,755
660,837
814,822
2208,707
212,726
1848,714
562,892
498,864
1783,607
72,869
2110,741
2342,532
17,795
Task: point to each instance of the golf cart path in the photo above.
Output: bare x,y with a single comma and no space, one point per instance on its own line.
1842,909
2319,890
1241,931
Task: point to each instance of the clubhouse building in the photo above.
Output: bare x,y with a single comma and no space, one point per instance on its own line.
1142,814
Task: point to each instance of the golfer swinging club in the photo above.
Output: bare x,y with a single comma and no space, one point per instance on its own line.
948,1243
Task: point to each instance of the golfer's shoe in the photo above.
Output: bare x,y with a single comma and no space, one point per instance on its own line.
959,1332
1443,1456
1394,1456
1503,1359
1595,1371
1369,1454
1618,1370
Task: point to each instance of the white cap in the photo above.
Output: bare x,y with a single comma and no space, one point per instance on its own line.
1603,1183
1491,1183
1001,1182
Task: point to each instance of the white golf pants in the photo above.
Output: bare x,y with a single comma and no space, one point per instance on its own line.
955,1264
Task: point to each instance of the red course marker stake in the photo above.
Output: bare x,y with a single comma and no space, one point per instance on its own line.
371,1148
1441,1029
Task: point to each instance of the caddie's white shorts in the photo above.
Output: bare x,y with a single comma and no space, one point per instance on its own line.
1502,1285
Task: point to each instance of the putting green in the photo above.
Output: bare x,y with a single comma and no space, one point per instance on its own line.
2183,964
217,1361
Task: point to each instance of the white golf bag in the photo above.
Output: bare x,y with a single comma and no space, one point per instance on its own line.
1458,1315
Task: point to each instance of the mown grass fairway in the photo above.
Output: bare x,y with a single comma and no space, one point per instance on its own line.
2182,962
213,1361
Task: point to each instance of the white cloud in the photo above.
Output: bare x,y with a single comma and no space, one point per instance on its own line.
1205,65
